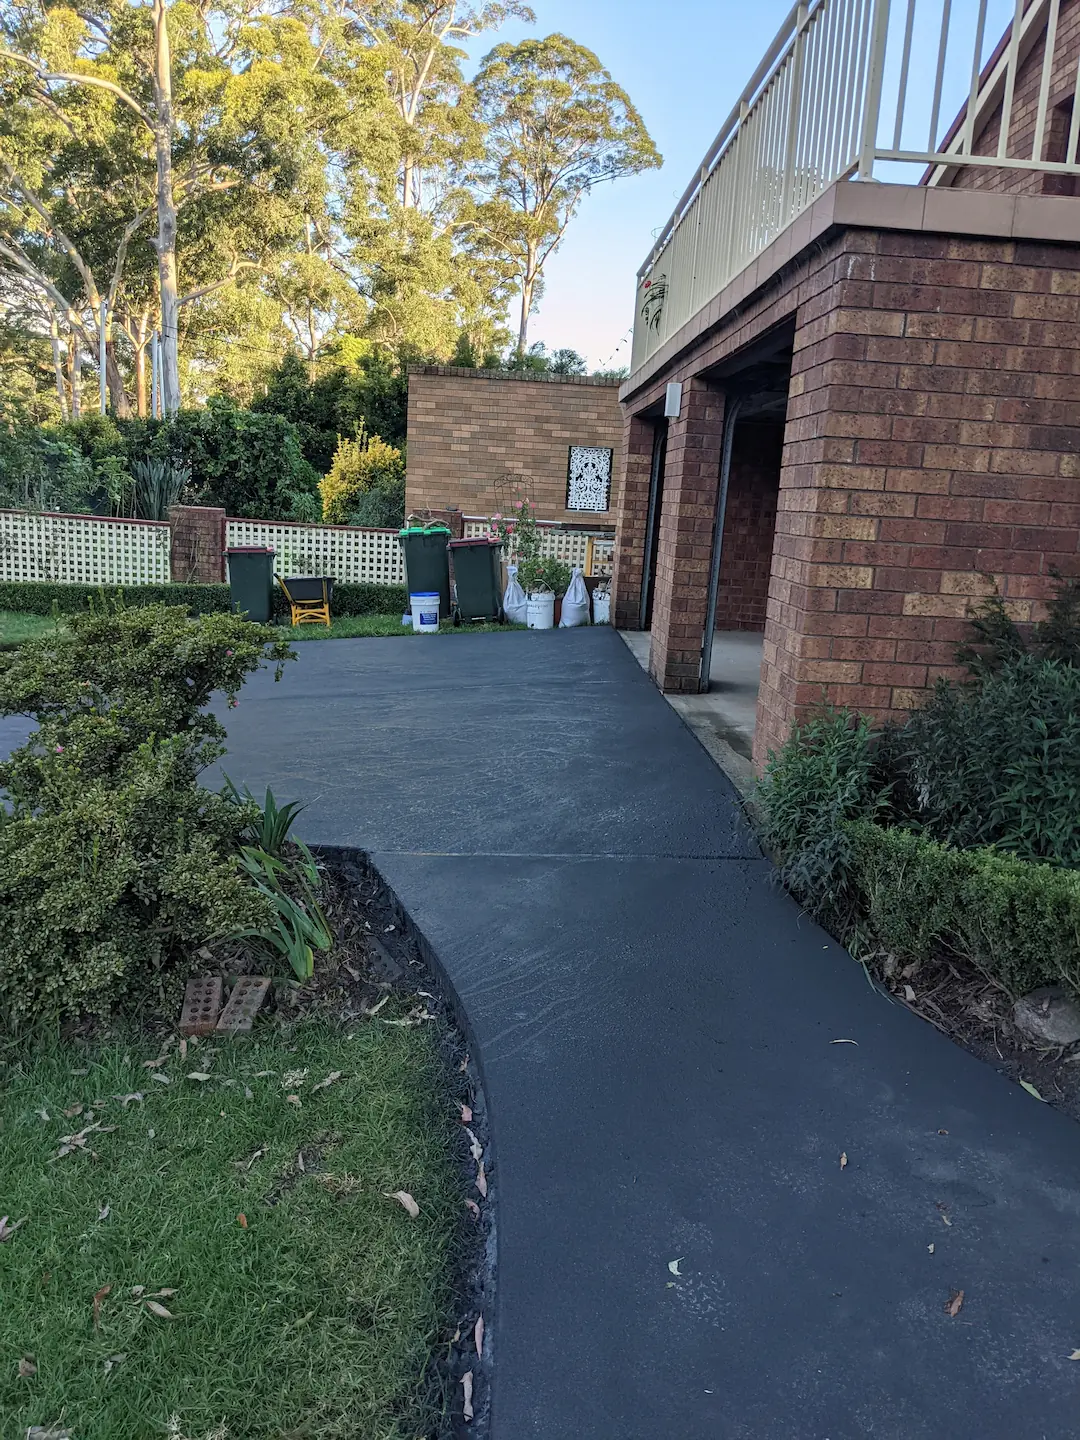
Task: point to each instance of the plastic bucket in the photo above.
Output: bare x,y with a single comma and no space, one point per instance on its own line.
540,611
425,612
601,607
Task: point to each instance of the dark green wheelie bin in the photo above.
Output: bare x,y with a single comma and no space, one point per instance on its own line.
427,563
477,579
251,581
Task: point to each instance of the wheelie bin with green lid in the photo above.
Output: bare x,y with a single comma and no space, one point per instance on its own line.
251,581
477,576
427,562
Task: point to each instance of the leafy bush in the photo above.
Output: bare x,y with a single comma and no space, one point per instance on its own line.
41,471
113,860
360,467
34,597
1018,922
42,597
825,776
998,763
998,640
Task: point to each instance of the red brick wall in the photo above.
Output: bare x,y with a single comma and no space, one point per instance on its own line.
932,452
749,525
197,544
632,517
1023,118
468,429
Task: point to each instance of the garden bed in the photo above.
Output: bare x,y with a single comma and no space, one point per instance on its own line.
255,1206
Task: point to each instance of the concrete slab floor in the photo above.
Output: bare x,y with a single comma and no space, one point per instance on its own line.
723,718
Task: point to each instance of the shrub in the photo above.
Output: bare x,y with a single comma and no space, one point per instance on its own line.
113,860
998,763
998,640
1018,922
360,466
826,775
34,597
40,470
42,597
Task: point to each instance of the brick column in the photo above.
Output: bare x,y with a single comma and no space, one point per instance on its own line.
631,520
684,553
197,544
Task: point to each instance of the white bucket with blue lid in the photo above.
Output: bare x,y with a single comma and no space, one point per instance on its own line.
425,611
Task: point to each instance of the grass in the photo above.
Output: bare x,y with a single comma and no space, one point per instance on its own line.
350,627
16,627
316,1320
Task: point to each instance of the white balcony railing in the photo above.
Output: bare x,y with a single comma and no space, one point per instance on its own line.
861,89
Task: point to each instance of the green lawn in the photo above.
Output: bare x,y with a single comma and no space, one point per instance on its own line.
16,627
317,1318
348,627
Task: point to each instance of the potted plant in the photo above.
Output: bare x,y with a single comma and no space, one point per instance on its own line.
543,578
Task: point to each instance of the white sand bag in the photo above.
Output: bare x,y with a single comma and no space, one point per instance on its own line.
515,606
575,605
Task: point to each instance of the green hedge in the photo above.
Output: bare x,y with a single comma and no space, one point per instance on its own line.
32,597
1018,921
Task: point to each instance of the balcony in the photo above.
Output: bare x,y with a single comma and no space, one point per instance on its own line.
973,93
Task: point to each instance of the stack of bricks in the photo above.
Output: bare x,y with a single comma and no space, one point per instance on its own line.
469,429
932,455
197,553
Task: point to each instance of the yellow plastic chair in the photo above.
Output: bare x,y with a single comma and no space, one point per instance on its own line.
311,609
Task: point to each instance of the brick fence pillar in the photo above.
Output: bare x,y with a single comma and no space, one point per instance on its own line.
684,552
197,548
631,520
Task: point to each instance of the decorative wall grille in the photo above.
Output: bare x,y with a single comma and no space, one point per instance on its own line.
588,484
350,554
83,549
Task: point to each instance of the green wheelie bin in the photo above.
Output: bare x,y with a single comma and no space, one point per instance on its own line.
251,581
477,577
427,563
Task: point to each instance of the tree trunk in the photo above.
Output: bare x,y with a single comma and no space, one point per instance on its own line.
58,368
74,364
166,210
526,309
118,399
141,342
406,185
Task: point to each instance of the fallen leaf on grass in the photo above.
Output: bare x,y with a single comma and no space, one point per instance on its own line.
909,994
293,1100
42,1114
404,1198
159,1310
153,1064
250,1161
955,1303
466,1385
843,1160
49,1432
112,1361
6,1230
103,1213
197,1075
27,1368
481,1180
161,1079
241,1220
1027,1085
330,1079
478,1337
475,1148
374,1010
72,1110
98,1298
673,1266
162,1294
474,1207
466,1115
136,1096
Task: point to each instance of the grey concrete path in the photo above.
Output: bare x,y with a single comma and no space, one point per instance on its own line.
655,1022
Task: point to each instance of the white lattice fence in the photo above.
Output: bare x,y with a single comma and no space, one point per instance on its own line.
348,553
83,549
593,553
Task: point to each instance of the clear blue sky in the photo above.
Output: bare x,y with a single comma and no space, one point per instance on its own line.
683,64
